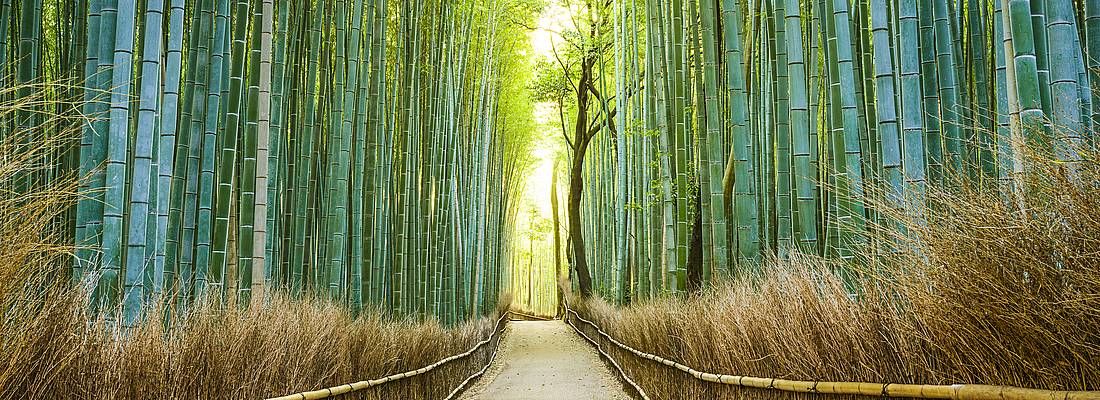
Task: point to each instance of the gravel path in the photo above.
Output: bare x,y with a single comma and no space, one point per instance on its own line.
546,360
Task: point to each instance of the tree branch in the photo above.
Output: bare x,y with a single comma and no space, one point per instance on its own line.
561,115
564,68
592,131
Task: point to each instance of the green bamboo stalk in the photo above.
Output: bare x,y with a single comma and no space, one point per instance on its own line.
382,257
372,136
277,160
169,122
5,25
206,271
254,176
1091,39
402,99
784,204
1025,67
664,151
622,215
803,178
982,113
739,168
1084,91
27,73
651,163
246,169
1004,92
950,113
886,110
89,212
715,143
359,74
679,124
934,141
701,250
849,157
226,159
1042,56
140,251
114,196
1066,104
342,135
908,52
764,135
298,255
818,85
865,86
182,216
106,291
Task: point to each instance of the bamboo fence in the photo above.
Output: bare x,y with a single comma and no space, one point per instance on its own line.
916,391
361,385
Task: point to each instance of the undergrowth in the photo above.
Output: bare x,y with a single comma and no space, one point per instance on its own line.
50,347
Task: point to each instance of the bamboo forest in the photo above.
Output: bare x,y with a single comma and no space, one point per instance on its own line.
545,199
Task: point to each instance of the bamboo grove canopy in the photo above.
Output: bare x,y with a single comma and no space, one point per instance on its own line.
361,150
367,150
772,126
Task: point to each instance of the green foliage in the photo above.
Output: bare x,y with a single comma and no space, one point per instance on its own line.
550,83
804,126
237,147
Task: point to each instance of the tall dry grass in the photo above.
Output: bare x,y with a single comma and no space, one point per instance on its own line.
51,348
993,292
282,347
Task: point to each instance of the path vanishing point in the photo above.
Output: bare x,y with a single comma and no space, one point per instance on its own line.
546,360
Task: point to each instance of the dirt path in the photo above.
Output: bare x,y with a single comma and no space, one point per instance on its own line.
546,360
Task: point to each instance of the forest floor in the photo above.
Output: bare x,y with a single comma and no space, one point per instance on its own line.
546,360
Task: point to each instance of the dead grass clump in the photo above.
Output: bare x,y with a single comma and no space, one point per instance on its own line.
983,290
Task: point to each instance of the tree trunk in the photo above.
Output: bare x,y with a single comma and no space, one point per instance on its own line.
695,251
581,139
557,235
576,185
530,262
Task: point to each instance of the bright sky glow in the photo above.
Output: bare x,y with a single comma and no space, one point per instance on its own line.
548,145
553,20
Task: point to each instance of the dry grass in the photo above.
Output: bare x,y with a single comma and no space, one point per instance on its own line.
990,295
49,347
280,348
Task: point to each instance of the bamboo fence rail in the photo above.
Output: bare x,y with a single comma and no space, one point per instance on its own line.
612,360
476,375
531,316
916,391
357,386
